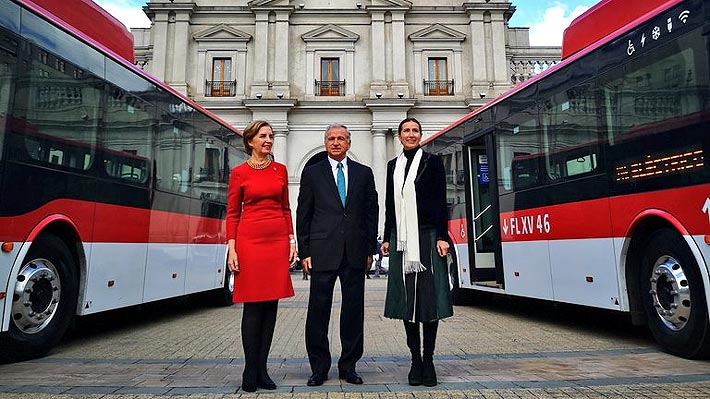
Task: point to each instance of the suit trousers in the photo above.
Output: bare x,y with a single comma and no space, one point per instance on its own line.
320,302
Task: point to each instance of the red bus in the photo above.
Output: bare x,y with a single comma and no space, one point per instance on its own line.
588,184
112,185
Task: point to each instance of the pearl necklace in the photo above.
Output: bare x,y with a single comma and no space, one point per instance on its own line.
258,166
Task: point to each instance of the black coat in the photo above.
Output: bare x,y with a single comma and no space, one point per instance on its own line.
325,228
430,185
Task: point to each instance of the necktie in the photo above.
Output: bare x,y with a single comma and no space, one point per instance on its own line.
340,181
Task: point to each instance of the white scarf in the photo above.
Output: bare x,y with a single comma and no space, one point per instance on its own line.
405,210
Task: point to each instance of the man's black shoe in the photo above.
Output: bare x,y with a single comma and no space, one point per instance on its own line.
352,377
317,379
267,384
248,387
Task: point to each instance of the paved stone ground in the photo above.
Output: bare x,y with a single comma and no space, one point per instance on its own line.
495,348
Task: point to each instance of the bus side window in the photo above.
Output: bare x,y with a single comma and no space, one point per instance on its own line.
126,165
572,163
667,85
578,165
8,65
525,171
208,159
571,138
518,152
56,110
127,152
211,160
173,153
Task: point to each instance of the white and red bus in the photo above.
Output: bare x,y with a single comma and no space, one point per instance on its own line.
112,185
588,184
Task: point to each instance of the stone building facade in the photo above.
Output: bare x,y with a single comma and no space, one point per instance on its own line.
302,64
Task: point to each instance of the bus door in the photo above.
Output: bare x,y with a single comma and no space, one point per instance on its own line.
482,213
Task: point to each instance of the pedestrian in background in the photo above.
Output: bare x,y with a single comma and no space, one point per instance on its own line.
416,241
261,246
336,222
303,271
378,258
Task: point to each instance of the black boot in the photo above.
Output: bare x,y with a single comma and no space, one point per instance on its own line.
415,372
267,333
428,371
251,337
413,342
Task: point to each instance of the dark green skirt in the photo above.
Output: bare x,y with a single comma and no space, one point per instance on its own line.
423,296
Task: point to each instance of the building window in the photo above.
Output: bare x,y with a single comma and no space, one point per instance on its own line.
330,83
438,83
221,85
59,65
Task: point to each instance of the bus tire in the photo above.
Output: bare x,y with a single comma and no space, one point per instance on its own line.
223,296
673,296
44,300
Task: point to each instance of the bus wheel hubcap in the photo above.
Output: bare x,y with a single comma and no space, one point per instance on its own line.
36,296
670,293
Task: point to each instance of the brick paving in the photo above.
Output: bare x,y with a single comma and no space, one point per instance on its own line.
498,348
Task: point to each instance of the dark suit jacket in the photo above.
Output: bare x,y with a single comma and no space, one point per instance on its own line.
325,228
430,184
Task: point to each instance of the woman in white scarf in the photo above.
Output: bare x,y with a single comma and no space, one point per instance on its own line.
416,217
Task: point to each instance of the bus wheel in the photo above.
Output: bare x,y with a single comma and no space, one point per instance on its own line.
43,301
673,296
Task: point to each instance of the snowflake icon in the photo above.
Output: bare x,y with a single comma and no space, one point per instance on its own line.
656,33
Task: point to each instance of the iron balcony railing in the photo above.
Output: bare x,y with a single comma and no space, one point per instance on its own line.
329,87
439,87
220,88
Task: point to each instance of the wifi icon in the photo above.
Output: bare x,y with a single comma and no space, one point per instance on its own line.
683,16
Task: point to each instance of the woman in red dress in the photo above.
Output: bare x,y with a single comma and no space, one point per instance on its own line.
261,248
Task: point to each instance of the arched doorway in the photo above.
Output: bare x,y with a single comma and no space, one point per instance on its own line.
316,158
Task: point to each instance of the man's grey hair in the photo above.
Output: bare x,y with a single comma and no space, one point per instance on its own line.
336,125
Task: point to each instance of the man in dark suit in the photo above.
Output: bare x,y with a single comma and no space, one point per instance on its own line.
336,224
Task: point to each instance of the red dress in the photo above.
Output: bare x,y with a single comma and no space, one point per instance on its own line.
259,218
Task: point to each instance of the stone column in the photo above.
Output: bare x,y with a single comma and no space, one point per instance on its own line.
201,72
310,72
419,73
241,72
378,53
399,64
379,169
478,53
160,44
261,52
500,60
280,143
281,61
179,60
458,73
349,72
